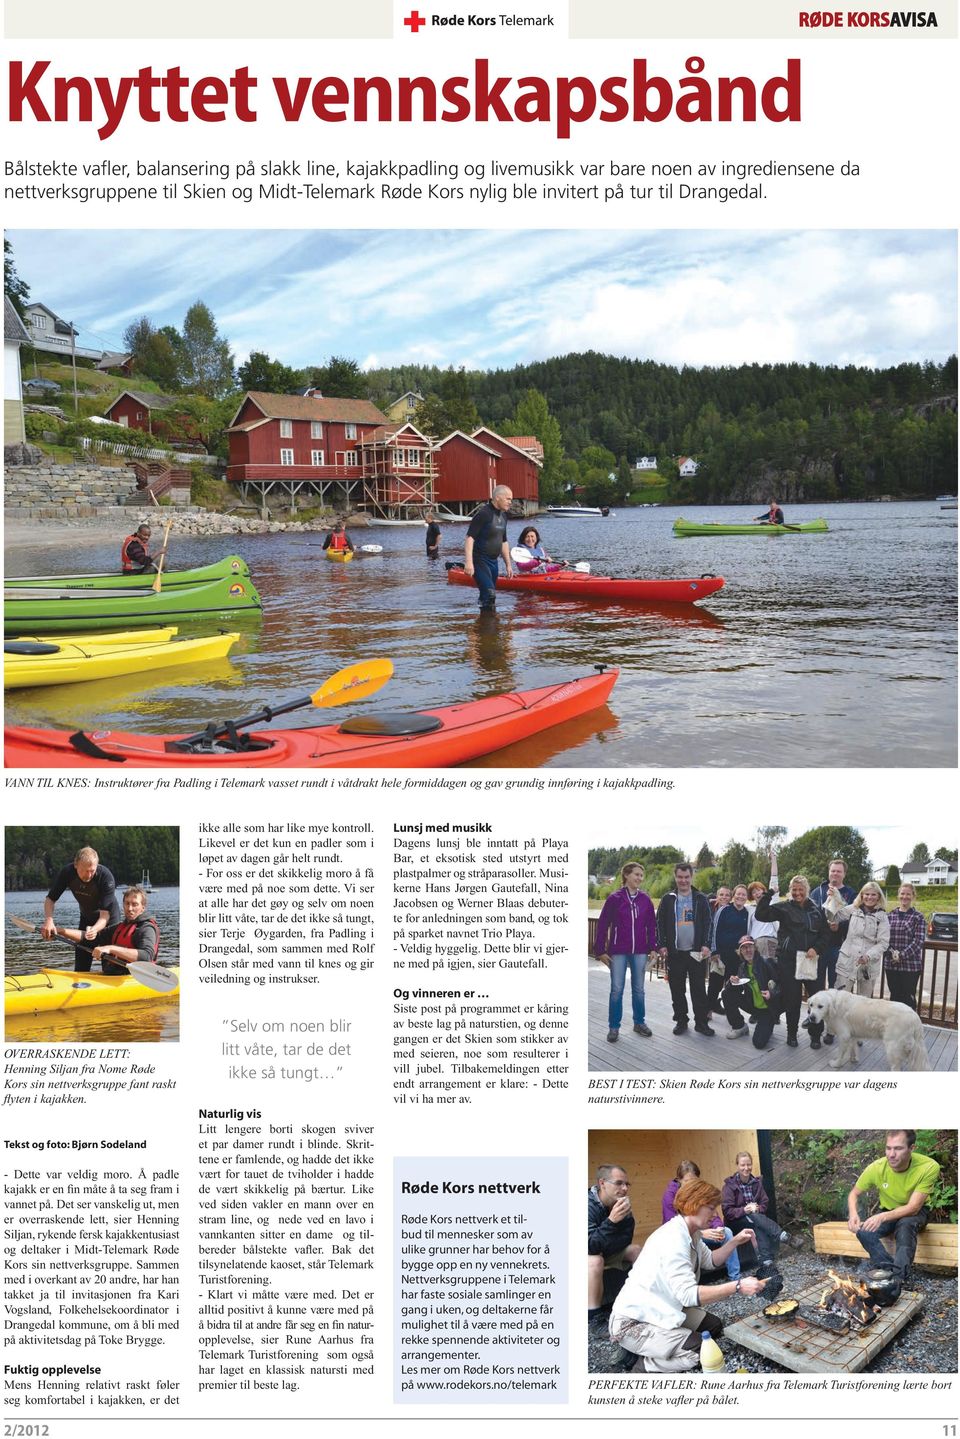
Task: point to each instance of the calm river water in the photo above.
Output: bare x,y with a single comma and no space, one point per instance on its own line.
145,1022
836,649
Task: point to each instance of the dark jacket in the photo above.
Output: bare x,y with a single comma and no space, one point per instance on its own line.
802,926
624,928
141,934
603,1236
667,920
735,1195
819,896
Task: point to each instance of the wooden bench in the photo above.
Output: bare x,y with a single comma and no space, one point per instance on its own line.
936,1245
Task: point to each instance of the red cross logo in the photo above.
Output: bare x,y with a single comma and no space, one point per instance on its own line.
414,20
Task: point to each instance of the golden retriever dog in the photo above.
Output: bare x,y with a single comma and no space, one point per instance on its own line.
850,1017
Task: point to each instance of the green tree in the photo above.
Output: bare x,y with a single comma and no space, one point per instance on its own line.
950,855
810,854
153,353
340,378
449,407
892,880
17,290
920,854
704,859
259,372
206,365
736,863
532,417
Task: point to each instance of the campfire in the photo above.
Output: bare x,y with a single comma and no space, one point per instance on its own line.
849,1299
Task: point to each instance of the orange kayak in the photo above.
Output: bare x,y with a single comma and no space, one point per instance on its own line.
422,739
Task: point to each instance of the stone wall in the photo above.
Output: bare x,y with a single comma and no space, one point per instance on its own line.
64,491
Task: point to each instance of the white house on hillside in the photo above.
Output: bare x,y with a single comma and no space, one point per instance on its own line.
14,335
53,336
688,466
645,462
935,871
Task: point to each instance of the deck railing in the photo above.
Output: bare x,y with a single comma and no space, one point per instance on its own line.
936,992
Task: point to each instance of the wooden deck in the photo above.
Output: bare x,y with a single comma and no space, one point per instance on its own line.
669,1053
805,1349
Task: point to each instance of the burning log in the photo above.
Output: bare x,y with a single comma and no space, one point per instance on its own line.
849,1299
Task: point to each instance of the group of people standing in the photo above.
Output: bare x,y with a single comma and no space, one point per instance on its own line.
751,955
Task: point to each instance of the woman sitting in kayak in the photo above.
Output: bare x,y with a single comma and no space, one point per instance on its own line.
338,539
530,557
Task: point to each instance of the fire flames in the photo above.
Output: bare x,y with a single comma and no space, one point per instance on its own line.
850,1299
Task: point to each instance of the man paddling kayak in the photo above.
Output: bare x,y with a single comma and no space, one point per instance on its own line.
338,539
135,937
135,559
773,516
95,890
486,543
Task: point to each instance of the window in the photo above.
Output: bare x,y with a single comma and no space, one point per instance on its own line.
316,457
407,460
349,459
316,430
286,429
286,457
39,322
350,432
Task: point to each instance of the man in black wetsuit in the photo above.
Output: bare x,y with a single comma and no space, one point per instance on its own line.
486,542
95,890
433,535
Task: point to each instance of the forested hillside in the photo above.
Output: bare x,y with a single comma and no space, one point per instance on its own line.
34,852
806,431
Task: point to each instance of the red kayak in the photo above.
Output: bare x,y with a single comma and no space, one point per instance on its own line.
574,585
421,739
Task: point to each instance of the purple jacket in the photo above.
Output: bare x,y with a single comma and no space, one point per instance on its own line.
625,927
666,1203
736,1194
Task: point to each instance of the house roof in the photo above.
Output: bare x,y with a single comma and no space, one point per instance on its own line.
148,401
13,327
310,407
459,435
408,395
528,442
113,359
384,433
510,444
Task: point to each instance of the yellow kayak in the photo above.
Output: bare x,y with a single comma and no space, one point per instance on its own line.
66,989
342,555
68,661
102,637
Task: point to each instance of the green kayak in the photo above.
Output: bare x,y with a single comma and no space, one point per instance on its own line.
224,569
67,610
682,528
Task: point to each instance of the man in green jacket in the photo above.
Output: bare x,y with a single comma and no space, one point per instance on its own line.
904,1181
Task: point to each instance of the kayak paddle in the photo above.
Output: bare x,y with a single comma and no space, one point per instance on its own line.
151,976
158,582
355,682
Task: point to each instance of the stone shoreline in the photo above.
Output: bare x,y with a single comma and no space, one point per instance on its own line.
42,532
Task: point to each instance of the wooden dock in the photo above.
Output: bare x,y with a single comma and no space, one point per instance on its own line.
666,1052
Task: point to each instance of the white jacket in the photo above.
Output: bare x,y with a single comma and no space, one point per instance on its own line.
867,938
664,1280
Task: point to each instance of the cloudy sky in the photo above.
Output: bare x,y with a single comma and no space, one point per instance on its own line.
492,298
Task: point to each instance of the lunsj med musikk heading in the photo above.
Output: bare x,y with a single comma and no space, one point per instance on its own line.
561,101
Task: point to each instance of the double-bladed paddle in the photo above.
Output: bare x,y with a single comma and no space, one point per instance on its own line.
151,976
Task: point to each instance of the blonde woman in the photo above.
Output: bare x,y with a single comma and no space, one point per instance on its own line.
861,955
